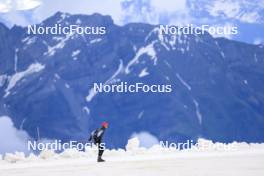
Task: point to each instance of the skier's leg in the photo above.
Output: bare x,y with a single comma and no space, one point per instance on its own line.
100,152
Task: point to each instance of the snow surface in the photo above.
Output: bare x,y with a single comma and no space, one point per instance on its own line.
245,160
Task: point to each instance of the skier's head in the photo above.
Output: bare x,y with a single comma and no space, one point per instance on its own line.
105,124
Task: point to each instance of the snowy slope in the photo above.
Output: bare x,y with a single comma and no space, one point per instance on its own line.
245,160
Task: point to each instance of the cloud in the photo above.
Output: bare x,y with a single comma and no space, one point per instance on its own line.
4,7
257,41
24,12
17,11
12,5
176,12
105,7
155,11
169,6
246,11
11,139
26,4
146,139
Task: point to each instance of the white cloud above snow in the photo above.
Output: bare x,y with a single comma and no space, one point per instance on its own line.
258,41
11,139
146,139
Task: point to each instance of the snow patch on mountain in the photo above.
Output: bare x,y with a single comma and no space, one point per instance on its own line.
29,40
143,73
33,68
16,60
220,50
78,21
148,50
183,82
86,109
140,115
3,79
75,53
162,39
197,111
111,80
52,49
67,86
95,40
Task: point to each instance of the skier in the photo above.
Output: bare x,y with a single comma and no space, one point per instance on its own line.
96,137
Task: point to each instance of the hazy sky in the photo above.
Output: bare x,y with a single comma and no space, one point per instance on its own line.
247,14
18,11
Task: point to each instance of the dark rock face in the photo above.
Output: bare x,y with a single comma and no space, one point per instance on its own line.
46,82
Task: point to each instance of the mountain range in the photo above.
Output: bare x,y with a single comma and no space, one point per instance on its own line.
46,83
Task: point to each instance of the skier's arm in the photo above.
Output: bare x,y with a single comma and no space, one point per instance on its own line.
91,136
100,133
